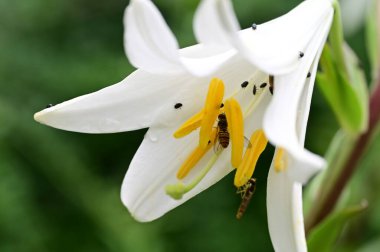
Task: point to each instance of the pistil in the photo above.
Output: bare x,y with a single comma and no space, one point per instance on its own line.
177,191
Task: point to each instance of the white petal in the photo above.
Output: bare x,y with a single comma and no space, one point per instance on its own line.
281,122
131,104
215,22
141,100
149,42
150,45
155,165
285,216
274,46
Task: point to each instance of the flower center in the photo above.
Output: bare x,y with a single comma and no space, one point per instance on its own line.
222,122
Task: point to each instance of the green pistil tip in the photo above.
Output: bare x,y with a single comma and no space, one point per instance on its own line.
176,191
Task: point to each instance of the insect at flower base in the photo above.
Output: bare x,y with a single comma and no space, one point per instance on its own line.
246,191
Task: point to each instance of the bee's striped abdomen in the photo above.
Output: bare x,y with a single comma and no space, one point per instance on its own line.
223,135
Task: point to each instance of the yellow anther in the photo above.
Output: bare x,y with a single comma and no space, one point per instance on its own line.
280,160
190,125
247,166
194,157
236,129
211,110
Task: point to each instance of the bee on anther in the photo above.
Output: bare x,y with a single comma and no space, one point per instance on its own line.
223,134
178,105
271,84
246,191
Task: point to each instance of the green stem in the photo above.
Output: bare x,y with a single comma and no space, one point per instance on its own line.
330,196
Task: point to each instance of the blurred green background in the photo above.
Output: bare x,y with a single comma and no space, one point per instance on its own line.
59,191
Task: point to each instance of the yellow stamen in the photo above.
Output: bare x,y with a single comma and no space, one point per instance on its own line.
194,157
235,122
211,110
280,160
247,166
190,125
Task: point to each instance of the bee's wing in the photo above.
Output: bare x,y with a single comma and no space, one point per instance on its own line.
216,142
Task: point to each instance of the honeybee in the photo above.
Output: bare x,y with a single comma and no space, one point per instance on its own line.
246,192
223,135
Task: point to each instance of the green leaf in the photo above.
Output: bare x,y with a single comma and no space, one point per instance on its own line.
345,90
322,238
342,82
319,188
372,40
371,246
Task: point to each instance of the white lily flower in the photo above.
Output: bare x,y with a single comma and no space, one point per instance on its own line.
171,85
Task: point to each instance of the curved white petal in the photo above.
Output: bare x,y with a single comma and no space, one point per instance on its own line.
155,165
215,22
131,104
285,216
281,121
141,100
274,46
149,42
150,45
284,189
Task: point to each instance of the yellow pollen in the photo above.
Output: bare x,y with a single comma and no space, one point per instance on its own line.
235,123
194,157
280,160
190,125
211,110
247,166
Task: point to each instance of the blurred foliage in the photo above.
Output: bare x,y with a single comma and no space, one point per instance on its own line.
59,191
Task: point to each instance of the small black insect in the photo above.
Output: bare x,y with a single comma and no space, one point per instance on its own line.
271,84
254,26
301,54
178,105
49,105
222,105
244,84
263,85
254,90
308,75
